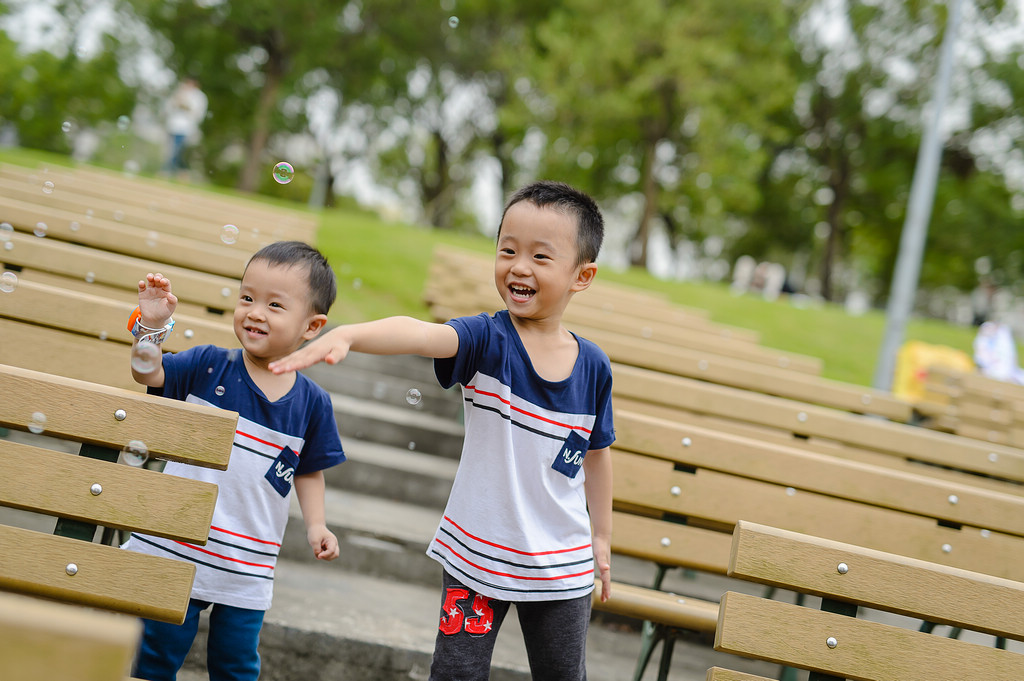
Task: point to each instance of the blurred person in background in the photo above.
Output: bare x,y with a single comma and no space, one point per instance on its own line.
185,111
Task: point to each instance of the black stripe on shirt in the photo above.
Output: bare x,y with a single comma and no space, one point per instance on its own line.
242,548
509,562
200,562
448,565
255,451
508,417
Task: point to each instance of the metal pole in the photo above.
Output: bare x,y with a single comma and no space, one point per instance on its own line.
919,208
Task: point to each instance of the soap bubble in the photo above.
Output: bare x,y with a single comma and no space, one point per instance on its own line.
90,277
283,172
75,226
47,187
229,234
145,357
8,282
119,215
453,22
412,446
123,123
135,453
189,333
413,396
40,229
37,423
219,390
6,230
66,126
8,245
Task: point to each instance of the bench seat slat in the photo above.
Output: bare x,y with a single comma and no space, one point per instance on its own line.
722,674
59,484
876,579
33,563
159,423
94,646
670,609
867,651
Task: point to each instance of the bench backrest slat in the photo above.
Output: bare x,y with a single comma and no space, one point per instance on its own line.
35,564
876,579
86,412
720,674
869,651
96,646
128,498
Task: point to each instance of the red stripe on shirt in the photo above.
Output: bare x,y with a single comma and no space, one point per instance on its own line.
242,536
253,437
526,413
217,555
506,574
506,548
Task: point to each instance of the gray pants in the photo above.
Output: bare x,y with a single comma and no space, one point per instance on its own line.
555,633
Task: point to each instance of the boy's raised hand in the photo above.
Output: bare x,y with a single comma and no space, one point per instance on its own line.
156,302
332,348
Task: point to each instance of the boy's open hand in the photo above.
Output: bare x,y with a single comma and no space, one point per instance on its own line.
603,563
332,348
156,302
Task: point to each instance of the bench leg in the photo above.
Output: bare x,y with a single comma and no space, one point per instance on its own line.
649,637
666,656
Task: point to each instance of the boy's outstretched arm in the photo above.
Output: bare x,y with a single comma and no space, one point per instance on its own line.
388,336
597,465
310,490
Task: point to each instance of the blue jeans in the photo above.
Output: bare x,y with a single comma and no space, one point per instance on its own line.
231,647
176,161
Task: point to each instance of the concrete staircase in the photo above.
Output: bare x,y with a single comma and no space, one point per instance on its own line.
372,613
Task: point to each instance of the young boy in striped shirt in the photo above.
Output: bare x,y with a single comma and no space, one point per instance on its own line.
528,520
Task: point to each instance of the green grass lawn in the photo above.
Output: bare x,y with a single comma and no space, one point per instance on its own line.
382,268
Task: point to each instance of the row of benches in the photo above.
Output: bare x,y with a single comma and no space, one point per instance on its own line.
699,452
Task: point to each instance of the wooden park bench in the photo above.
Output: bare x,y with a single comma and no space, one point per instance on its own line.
679,490
973,405
833,643
47,420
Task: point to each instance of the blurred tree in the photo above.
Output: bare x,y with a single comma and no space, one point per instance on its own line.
45,92
671,100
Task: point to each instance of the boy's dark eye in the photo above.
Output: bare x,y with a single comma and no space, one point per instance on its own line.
247,299
275,305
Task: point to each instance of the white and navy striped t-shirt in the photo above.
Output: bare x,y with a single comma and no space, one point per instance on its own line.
516,525
236,566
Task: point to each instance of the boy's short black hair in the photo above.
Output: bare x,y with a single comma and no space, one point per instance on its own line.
569,200
323,288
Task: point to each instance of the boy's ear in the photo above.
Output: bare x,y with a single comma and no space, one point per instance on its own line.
585,277
314,326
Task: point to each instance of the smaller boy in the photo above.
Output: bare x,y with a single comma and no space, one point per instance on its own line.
529,517
286,434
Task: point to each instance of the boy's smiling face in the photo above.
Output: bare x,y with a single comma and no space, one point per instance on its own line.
273,316
536,270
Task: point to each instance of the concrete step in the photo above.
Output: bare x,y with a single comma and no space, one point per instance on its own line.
397,426
329,623
394,473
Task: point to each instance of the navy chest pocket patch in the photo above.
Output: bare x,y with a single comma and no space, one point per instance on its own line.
570,455
282,471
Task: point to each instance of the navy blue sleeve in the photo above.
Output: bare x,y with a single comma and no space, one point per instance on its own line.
322,448
178,372
473,334
603,434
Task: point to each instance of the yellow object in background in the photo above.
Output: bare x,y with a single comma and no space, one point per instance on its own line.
912,364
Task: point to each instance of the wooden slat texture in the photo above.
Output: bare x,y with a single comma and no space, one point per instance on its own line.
669,543
130,498
866,651
885,581
94,646
718,501
896,439
34,564
173,430
687,613
921,494
720,674
115,269
96,316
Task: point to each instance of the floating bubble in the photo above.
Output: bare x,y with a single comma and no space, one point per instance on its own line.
145,357
66,126
229,234
90,277
47,187
75,226
189,333
119,215
131,167
135,453
357,283
123,123
413,396
6,230
37,422
40,229
8,282
103,335
219,390
8,245
412,446
283,172
453,22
